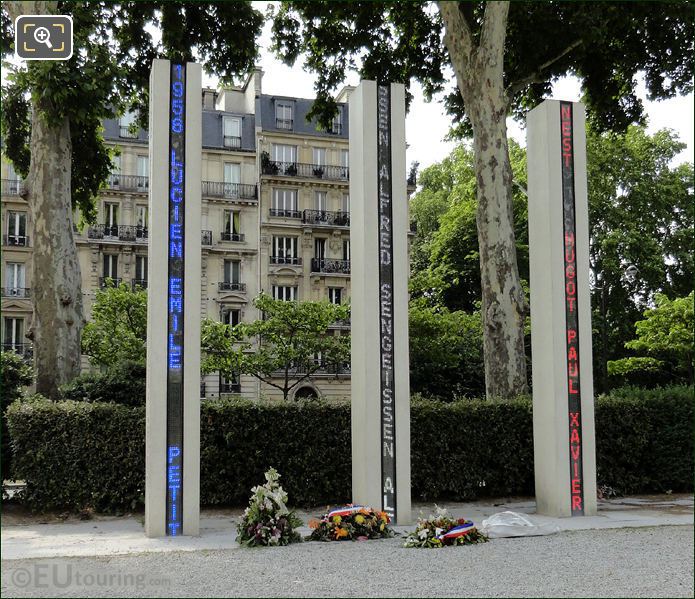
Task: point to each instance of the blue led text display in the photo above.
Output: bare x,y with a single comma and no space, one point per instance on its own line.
175,300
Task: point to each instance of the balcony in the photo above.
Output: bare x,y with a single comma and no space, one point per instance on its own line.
16,292
127,132
225,236
15,240
139,284
105,282
12,187
206,238
287,124
324,368
293,260
301,169
233,191
324,265
231,286
324,217
282,213
26,350
127,233
232,142
119,182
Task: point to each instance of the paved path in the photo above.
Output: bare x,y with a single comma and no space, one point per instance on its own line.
626,562
120,536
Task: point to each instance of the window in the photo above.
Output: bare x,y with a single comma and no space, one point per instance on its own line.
232,226
232,271
141,270
110,269
115,171
337,123
13,334
346,202
231,131
142,218
319,155
14,183
335,295
284,293
283,115
320,200
285,251
346,249
126,122
284,153
344,163
110,219
232,178
231,317
320,249
284,203
143,171
17,228
14,279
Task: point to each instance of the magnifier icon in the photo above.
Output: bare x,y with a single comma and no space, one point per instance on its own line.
42,36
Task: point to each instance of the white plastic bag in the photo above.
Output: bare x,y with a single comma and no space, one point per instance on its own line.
513,524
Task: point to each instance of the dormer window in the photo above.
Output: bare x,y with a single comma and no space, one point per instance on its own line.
283,115
127,127
231,131
337,123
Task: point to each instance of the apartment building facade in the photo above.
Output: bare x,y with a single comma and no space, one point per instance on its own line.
275,219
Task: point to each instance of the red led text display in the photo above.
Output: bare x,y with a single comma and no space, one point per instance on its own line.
572,317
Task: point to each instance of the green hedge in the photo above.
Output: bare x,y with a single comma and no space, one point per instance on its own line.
77,454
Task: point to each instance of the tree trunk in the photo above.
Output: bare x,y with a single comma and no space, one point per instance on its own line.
56,280
480,76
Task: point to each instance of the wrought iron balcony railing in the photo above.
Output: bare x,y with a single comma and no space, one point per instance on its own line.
294,260
226,236
284,123
281,212
330,266
26,350
218,189
12,187
206,238
301,169
120,182
231,286
131,233
127,132
16,292
325,217
109,282
323,368
15,240
232,141
139,283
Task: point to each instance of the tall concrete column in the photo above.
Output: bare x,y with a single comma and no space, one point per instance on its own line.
379,299
172,468
563,394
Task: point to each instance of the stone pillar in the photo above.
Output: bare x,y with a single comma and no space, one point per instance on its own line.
379,299
563,395
172,469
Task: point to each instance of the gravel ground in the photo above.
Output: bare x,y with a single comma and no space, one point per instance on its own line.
627,562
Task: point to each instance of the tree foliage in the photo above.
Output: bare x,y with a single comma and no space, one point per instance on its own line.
117,331
664,341
290,344
446,352
445,211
